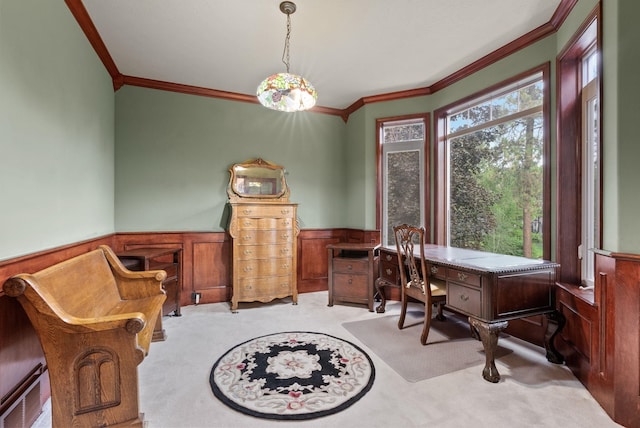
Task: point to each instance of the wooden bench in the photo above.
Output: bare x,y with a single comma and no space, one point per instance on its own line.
95,321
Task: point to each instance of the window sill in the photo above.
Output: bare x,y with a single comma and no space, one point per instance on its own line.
574,289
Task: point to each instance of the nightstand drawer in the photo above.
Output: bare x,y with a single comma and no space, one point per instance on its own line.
351,286
350,265
465,299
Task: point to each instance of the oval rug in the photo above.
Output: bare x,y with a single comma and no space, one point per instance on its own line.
292,376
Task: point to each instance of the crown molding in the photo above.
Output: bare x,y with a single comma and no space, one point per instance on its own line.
80,13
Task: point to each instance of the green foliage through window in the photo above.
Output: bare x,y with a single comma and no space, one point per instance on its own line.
496,172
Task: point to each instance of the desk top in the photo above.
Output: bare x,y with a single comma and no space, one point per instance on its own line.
481,261
147,253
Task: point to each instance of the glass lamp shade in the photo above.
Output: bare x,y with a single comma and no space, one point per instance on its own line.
287,92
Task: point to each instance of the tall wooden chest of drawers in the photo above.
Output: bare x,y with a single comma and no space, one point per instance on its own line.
264,252
264,228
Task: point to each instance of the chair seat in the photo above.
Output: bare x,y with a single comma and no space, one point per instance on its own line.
438,288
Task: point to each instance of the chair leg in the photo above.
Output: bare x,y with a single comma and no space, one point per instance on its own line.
403,311
428,311
440,316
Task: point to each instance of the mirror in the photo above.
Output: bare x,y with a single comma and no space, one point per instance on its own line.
257,179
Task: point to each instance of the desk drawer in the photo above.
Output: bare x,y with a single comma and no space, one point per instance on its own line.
389,272
350,265
171,270
437,271
464,277
465,299
350,286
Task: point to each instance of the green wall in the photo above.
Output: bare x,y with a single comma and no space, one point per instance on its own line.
173,153
56,131
621,114
81,162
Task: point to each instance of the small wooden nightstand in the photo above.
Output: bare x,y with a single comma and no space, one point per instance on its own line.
168,260
353,269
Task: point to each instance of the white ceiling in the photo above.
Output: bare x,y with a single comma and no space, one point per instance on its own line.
348,49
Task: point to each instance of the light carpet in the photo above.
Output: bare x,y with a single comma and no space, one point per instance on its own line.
175,392
450,346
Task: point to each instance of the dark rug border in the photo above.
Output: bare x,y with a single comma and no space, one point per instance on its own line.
220,395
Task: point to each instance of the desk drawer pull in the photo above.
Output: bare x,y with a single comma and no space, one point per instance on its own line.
462,276
389,271
434,269
464,297
389,258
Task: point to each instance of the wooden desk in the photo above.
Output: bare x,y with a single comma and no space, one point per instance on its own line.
167,259
490,289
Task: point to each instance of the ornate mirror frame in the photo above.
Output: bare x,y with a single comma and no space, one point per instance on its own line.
257,180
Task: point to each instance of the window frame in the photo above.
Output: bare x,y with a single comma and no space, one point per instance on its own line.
441,152
569,202
426,168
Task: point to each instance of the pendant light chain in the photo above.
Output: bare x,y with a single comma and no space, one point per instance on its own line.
286,91
285,52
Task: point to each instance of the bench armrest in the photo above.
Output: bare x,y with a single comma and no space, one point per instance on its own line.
134,285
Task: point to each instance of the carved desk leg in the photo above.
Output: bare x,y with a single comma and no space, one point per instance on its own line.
554,326
489,333
380,283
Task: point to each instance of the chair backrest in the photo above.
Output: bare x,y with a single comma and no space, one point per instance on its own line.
409,244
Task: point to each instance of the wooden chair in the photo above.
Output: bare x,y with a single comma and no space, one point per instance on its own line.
414,277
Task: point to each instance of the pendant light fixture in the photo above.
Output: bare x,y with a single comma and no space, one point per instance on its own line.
285,91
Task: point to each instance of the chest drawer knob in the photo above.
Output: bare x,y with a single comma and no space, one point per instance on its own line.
248,269
247,252
434,269
464,297
389,258
389,271
285,266
284,251
284,211
462,276
285,236
246,211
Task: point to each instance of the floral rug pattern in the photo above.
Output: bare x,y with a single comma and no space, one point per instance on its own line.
292,375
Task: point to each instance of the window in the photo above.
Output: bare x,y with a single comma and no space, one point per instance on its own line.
493,171
579,153
403,171
590,146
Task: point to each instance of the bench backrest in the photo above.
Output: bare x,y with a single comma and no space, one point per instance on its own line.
83,286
